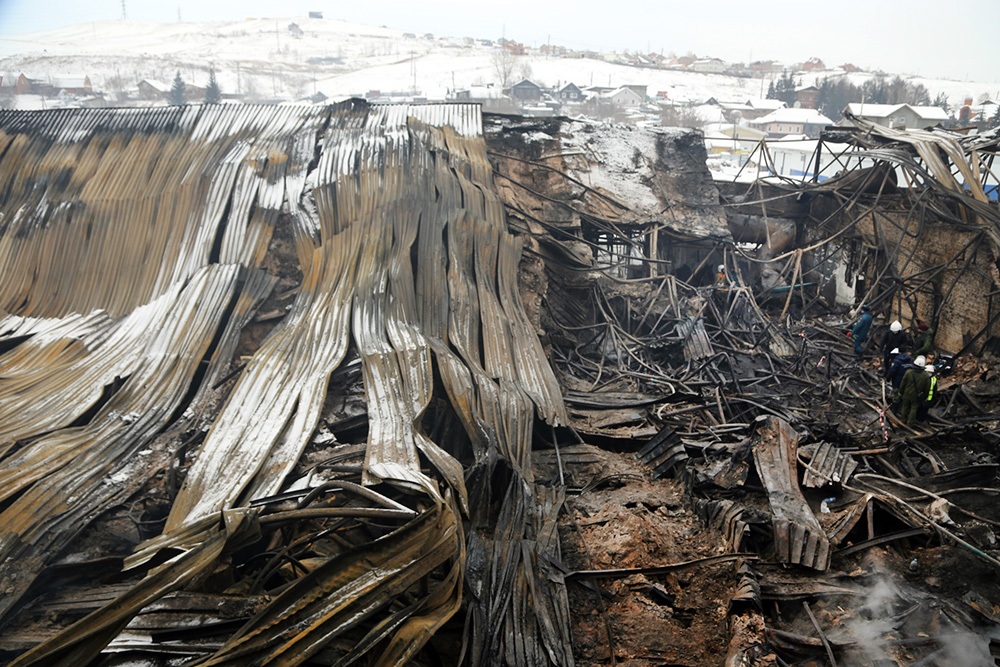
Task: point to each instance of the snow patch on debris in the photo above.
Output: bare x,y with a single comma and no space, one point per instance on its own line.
620,158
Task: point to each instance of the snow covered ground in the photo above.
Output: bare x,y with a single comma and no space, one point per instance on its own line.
264,58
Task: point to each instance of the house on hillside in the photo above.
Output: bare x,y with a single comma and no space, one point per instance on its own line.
624,98
26,86
150,89
640,89
315,15
570,94
811,65
526,91
897,115
791,121
807,97
73,85
709,66
759,107
766,66
67,85
490,97
295,30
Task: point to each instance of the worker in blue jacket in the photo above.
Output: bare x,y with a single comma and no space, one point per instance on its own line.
860,331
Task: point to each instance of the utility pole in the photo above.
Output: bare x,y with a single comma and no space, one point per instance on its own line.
124,11
179,19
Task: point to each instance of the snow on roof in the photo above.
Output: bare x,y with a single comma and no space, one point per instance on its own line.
808,116
70,82
619,91
158,85
763,103
885,110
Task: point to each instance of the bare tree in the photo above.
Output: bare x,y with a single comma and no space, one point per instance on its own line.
503,62
671,116
524,70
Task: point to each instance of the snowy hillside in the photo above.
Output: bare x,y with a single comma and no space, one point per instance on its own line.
263,58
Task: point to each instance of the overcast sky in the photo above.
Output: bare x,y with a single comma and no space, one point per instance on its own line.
926,37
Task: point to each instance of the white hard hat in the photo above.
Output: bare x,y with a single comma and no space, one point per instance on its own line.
895,350
920,361
929,368
722,267
896,327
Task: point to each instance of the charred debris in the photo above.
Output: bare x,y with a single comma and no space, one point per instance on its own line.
378,385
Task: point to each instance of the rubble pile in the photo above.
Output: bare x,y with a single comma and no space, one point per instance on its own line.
410,385
845,525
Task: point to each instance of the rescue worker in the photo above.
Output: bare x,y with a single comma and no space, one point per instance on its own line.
896,340
860,331
720,276
931,394
901,362
913,392
925,339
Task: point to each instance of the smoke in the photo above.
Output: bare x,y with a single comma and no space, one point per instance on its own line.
892,610
871,623
965,650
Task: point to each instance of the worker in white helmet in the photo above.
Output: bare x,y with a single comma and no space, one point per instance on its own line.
721,280
895,338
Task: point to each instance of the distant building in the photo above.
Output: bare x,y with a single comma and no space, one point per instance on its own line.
570,93
759,107
709,66
295,30
315,15
639,89
897,115
729,138
526,91
70,86
807,97
766,66
150,89
624,98
791,121
811,65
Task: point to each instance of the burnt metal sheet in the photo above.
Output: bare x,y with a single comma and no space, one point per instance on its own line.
387,181
695,339
664,452
725,516
798,536
826,465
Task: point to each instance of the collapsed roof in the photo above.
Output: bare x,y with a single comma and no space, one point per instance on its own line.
289,385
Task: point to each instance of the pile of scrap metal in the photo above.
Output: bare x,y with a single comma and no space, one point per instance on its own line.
786,442
162,504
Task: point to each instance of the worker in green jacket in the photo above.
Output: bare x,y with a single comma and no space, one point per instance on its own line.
931,394
913,391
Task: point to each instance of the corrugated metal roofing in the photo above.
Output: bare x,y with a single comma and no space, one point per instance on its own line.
129,241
